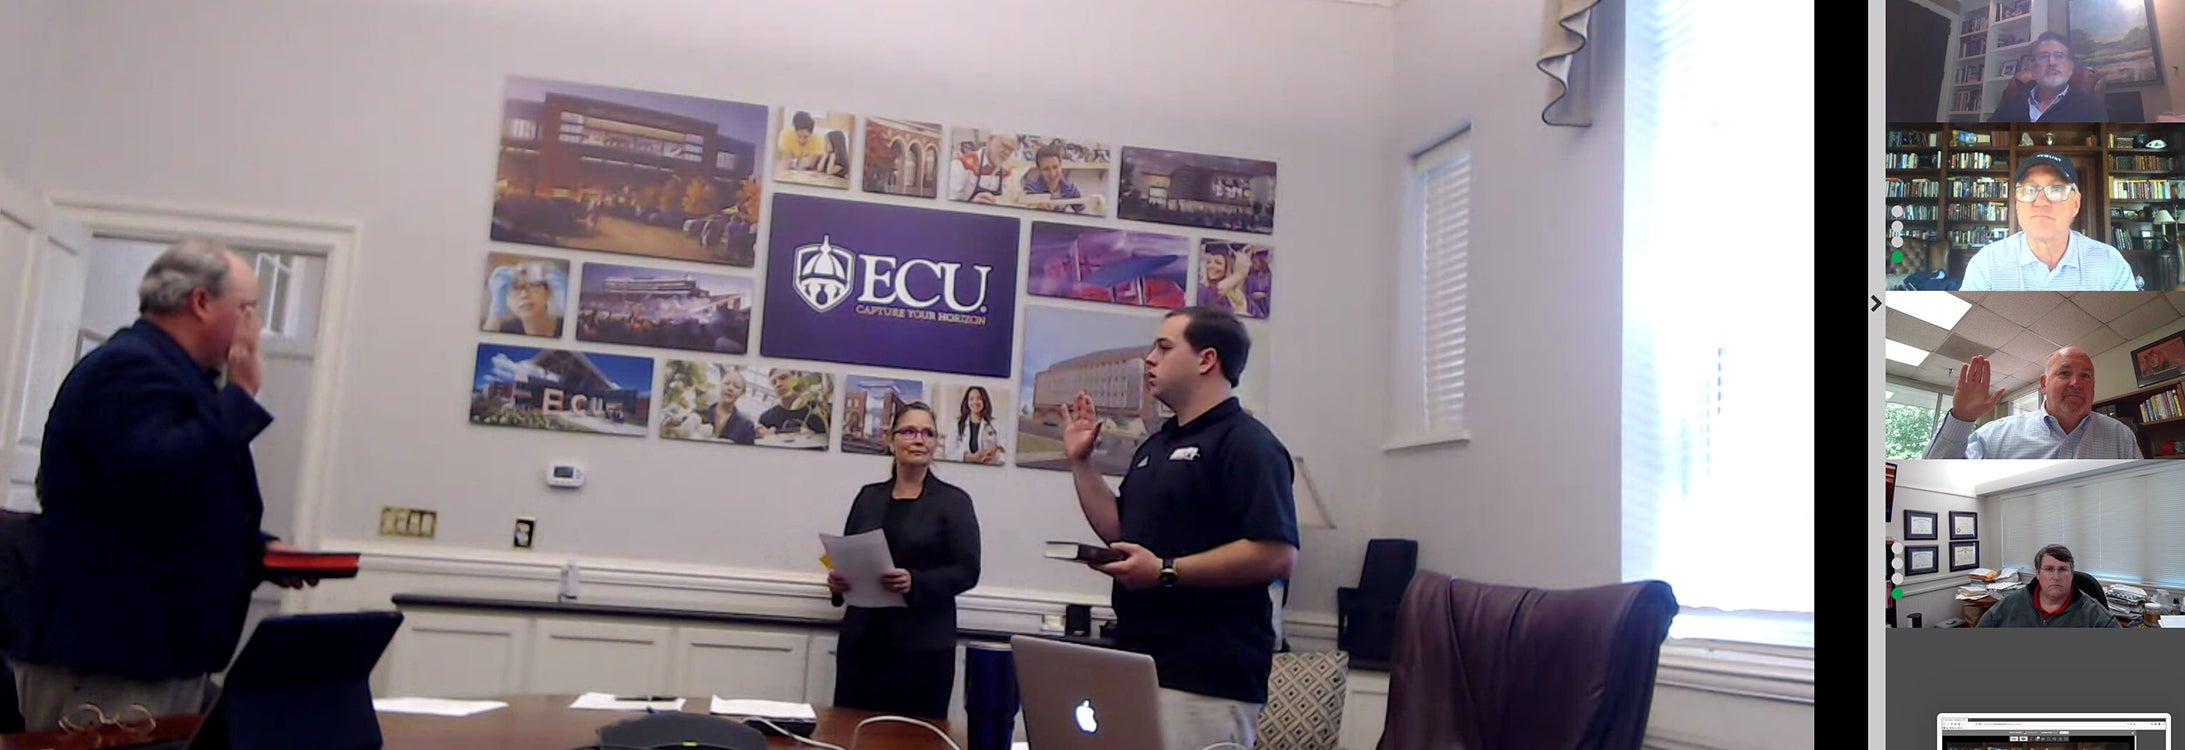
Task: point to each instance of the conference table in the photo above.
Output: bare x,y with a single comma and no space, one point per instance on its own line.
531,722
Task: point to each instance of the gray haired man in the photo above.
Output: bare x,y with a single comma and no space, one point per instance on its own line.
148,544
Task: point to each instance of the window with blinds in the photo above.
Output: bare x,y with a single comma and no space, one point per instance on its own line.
1716,363
2120,525
1430,395
1447,215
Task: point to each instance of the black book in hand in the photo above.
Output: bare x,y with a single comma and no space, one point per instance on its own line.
1084,553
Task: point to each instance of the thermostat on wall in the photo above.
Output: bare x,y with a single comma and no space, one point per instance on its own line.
565,475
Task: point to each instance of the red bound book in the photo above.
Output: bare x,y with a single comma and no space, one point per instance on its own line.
311,564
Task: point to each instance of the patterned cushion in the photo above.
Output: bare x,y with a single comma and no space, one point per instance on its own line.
1304,708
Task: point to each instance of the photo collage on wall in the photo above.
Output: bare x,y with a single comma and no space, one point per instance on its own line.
925,282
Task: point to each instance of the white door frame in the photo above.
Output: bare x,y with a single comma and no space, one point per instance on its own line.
334,239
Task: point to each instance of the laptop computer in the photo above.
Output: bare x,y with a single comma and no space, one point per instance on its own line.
300,681
1079,697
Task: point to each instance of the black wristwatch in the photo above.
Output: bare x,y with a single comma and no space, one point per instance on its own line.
1168,572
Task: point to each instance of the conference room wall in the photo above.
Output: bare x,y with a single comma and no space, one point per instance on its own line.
24,48
1514,505
387,114
1536,497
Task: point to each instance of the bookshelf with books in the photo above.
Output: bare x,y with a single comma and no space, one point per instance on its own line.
1985,50
1947,192
2156,414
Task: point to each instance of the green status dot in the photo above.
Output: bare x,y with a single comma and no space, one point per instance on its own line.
1896,593
1896,256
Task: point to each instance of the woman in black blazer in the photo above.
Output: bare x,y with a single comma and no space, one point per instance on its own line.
902,660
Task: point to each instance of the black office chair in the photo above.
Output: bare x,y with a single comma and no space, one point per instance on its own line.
1365,620
2090,587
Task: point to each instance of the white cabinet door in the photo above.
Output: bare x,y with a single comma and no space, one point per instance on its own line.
459,656
51,352
609,656
17,297
732,663
819,671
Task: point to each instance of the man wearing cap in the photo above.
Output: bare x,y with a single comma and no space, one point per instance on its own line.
2065,427
2046,255
2051,97
2052,602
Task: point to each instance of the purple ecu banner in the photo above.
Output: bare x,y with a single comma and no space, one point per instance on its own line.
890,286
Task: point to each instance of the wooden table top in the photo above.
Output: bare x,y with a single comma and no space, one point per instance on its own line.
531,722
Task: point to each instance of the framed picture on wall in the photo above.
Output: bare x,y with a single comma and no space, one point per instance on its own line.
1964,555
1919,525
2115,37
2159,361
1922,559
1964,525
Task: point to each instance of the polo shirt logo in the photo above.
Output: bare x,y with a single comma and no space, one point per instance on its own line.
1186,453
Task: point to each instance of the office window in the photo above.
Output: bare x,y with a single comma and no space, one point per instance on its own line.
1909,419
2119,525
1428,404
1718,353
2027,404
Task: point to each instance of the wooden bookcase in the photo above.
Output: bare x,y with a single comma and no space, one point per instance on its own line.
2160,424
1948,191
1987,38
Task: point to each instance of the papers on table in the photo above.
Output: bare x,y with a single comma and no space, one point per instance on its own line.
763,709
2173,621
861,558
434,706
608,702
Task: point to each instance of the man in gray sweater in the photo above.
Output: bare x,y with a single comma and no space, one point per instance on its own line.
2052,602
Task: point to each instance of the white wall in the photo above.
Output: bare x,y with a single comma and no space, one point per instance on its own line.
1933,595
25,51
316,109
1540,473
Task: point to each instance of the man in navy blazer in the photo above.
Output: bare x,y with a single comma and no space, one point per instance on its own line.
149,540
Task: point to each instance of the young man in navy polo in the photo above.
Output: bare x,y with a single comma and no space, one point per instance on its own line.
1207,524
2052,602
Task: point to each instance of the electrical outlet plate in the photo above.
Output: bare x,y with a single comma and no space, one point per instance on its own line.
525,530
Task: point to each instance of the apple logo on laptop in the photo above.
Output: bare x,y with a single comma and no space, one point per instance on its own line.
1085,720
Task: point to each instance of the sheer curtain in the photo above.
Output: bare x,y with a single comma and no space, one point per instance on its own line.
1718,386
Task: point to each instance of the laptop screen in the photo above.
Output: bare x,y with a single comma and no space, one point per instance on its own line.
2026,731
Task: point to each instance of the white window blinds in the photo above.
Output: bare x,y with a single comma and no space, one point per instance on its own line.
1446,213
1717,464
2120,525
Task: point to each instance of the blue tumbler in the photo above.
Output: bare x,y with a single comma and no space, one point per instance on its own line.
990,695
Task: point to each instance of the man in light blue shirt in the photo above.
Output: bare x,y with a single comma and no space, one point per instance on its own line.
2046,255
2066,426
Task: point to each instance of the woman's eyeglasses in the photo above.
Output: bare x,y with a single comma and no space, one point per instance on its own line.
136,719
915,432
